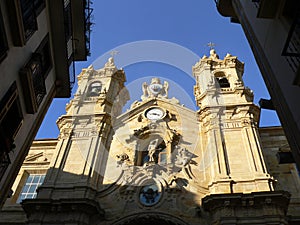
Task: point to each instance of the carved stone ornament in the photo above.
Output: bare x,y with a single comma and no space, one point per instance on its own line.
122,158
214,62
110,65
155,89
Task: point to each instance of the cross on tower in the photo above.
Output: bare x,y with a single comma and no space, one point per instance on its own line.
211,45
113,53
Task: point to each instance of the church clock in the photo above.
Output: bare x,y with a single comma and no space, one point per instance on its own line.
155,113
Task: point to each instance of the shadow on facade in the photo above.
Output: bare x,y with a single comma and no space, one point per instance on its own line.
71,198
67,198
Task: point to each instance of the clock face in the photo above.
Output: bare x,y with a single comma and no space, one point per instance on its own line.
155,113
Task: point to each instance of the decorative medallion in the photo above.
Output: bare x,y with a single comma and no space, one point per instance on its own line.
150,195
155,88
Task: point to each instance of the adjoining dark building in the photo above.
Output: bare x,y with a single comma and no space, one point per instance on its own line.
39,42
272,28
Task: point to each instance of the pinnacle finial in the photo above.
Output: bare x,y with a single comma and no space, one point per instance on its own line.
212,52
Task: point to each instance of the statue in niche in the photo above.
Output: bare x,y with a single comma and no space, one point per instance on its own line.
152,149
154,153
155,89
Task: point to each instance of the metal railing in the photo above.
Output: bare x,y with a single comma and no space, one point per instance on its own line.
88,24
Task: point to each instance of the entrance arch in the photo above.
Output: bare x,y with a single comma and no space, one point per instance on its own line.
148,218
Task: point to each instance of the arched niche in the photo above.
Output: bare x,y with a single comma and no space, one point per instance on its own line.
152,148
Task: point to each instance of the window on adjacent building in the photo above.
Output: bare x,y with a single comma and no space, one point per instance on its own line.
33,76
28,17
10,122
29,189
36,70
44,53
23,18
33,82
3,41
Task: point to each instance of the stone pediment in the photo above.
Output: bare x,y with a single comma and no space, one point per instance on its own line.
171,107
39,157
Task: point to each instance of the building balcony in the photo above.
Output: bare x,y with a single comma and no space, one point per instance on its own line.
81,15
23,19
71,18
225,8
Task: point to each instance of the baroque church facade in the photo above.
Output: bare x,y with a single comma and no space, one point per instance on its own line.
159,162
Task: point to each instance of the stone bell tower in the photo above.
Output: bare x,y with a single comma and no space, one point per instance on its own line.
85,136
229,127
237,177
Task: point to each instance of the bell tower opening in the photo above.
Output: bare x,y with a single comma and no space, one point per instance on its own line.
222,80
94,89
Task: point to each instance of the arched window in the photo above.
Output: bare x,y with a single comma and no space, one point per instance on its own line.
94,89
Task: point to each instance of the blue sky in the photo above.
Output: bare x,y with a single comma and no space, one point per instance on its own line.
190,25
